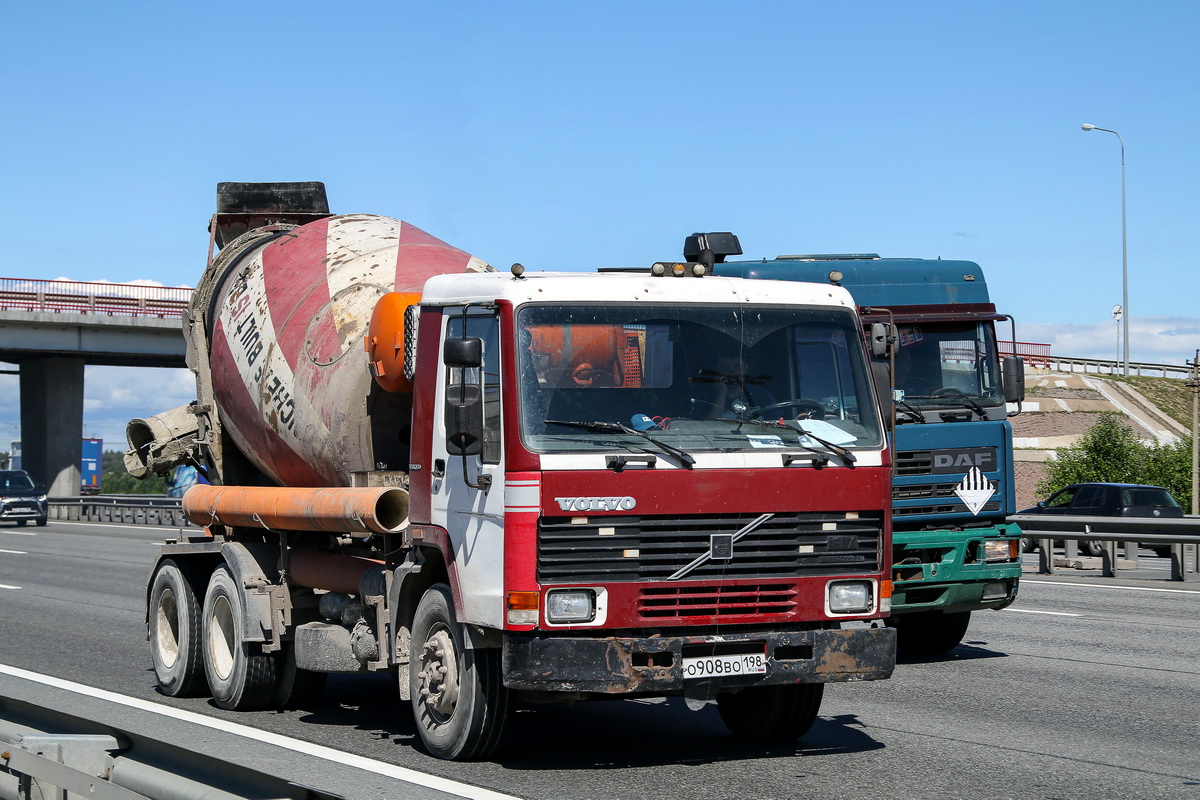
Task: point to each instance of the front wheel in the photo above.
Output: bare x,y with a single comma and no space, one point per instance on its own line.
764,713
175,647
459,701
240,676
930,633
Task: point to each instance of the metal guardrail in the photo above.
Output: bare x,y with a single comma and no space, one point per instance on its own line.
1182,534
129,509
81,297
112,764
1100,366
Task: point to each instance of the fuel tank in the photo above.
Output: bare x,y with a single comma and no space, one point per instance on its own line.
283,312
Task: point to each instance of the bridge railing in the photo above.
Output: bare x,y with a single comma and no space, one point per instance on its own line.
1101,366
80,297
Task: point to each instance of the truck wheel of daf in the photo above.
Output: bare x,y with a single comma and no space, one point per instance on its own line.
240,676
765,713
930,633
459,702
175,632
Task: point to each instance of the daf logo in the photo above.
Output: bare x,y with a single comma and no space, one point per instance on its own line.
596,503
965,460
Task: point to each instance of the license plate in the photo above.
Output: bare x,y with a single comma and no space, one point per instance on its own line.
724,666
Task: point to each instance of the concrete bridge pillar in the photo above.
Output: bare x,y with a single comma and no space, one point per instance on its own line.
52,422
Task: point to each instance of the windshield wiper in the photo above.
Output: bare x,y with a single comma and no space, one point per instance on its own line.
617,427
916,415
846,455
958,399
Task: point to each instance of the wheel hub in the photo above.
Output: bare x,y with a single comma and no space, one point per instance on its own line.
439,673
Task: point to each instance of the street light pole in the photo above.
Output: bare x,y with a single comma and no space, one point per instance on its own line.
1124,249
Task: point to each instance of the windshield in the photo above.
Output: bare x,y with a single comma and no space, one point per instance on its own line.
694,379
15,482
938,363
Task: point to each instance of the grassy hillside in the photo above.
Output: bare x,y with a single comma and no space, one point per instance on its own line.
1172,395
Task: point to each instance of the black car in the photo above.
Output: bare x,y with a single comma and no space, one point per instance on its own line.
20,499
1107,500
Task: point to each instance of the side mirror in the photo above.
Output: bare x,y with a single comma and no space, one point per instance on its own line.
881,339
465,352
1013,369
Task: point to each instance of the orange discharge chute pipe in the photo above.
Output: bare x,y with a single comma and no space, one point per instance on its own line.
333,510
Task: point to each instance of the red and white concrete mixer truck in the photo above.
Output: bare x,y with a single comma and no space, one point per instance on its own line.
508,486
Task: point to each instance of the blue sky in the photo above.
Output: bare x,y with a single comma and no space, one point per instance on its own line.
579,135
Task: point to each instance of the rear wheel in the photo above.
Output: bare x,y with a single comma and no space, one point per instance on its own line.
930,633
763,713
240,676
295,687
459,701
41,523
175,632
1028,544
1090,548
21,523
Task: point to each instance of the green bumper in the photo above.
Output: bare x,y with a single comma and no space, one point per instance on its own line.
946,571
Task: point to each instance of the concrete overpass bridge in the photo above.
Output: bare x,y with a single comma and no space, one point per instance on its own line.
51,330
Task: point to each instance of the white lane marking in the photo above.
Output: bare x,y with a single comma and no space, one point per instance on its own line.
1126,588
1051,613
6,586
15,552
20,533
286,742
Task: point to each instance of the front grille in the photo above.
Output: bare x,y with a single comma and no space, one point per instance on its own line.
715,601
956,508
930,491
631,548
914,462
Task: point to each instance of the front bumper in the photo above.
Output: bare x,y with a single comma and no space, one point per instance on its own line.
629,665
933,571
21,509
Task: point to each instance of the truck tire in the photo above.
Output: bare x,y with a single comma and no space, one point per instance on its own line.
295,687
240,676
175,632
764,713
930,633
459,701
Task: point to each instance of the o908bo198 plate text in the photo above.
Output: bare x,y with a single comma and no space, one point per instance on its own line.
724,666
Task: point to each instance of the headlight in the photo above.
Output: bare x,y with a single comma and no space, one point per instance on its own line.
850,597
1001,550
570,605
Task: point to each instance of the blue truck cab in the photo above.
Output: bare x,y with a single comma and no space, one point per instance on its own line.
953,552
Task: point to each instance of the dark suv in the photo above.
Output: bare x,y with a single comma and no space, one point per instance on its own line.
1107,500
20,499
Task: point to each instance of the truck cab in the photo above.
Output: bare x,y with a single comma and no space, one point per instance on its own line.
949,392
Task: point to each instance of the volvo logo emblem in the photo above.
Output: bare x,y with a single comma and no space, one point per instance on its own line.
596,503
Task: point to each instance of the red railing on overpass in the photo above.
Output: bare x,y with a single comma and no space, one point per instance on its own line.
79,297
1035,354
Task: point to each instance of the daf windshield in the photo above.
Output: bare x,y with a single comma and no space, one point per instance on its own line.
940,364
693,379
